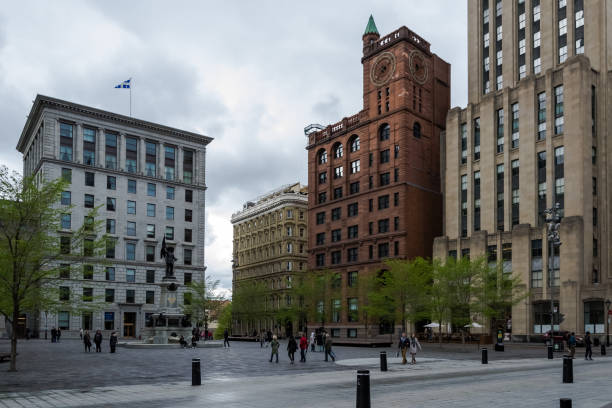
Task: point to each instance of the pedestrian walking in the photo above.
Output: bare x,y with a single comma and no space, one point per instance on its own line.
303,348
312,341
320,340
274,344
414,344
87,341
292,348
226,338
328,347
403,345
588,354
58,334
98,341
571,343
53,335
113,341
81,333
194,341
262,339
182,341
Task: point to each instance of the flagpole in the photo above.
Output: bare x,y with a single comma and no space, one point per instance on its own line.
131,83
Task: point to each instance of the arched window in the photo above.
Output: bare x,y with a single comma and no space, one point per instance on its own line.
322,156
338,150
384,132
354,143
416,130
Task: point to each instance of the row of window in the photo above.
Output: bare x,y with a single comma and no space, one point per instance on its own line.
384,180
267,220
352,254
131,153
559,121
65,272
353,208
109,295
352,231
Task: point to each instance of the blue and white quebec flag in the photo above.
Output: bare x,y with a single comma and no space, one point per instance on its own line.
124,84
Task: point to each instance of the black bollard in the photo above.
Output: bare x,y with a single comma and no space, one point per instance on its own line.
485,356
196,378
550,352
568,370
363,389
603,349
383,361
565,403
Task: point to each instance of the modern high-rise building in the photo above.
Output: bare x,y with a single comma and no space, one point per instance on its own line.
374,177
149,180
270,248
534,134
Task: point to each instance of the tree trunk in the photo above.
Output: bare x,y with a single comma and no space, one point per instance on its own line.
440,333
14,324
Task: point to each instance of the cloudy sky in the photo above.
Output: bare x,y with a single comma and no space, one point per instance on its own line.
250,74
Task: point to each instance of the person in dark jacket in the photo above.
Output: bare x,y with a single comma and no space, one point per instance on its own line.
571,342
53,335
225,338
303,348
58,334
113,341
98,341
328,347
403,345
588,354
291,349
87,341
274,344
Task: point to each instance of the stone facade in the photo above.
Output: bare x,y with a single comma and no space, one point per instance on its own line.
550,147
374,179
148,178
270,246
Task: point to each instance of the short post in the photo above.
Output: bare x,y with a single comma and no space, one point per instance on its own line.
196,378
363,388
383,361
485,356
550,352
568,370
565,403
603,349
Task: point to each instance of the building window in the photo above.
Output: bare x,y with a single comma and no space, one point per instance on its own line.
130,275
562,38
169,213
515,125
559,177
150,297
322,157
170,233
189,196
352,311
535,29
169,193
353,231
131,207
354,143
464,188
320,259
383,226
383,202
337,193
559,118
150,230
355,166
90,179
515,192
63,320
150,276
338,151
66,141
109,320
151,189
323,177
338,172
354,187
320,218
110,151
594,317
150,253
130,295
336,235
188,166
66,221
522,20
188,215
383,250
352,209
187,256
109,295
384,132
130,251
64,293
110,248
352,279
131,186
150,159
320,238
385,156
500,130
463,133
542,116
336,257
87,294
67,175
351,255
169,161
476,201
335,214
188,235
541,187
500,197
131,154
89,201
150,210
109,273
416,129
385,179
485,47
131,228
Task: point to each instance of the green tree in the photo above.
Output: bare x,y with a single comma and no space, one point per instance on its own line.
224,320
249,302
203,300
32,254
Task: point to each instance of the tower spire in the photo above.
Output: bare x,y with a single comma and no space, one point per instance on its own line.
371,27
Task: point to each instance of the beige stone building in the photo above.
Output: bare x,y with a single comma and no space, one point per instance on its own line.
270,246
534,133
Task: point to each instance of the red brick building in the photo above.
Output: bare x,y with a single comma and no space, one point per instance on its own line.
374,177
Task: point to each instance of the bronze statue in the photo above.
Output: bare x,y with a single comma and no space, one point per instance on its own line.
168,254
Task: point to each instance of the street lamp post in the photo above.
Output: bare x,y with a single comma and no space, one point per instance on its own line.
553,219
608,303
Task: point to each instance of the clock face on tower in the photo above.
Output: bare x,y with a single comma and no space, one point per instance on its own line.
382,69
418,67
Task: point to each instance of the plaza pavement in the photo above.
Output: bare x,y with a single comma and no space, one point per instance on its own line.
448,378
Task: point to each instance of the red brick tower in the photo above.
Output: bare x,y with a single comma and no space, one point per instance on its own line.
374,177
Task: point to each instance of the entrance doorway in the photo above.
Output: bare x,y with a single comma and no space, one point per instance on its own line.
129,324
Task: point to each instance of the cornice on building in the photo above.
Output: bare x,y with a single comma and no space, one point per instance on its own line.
274,203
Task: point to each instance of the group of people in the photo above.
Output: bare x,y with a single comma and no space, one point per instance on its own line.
97,340
302,343
588,343
55,335
411,344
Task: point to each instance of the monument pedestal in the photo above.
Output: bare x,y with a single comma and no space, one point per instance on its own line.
168,321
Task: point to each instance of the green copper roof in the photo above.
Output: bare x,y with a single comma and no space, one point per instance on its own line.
371,27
